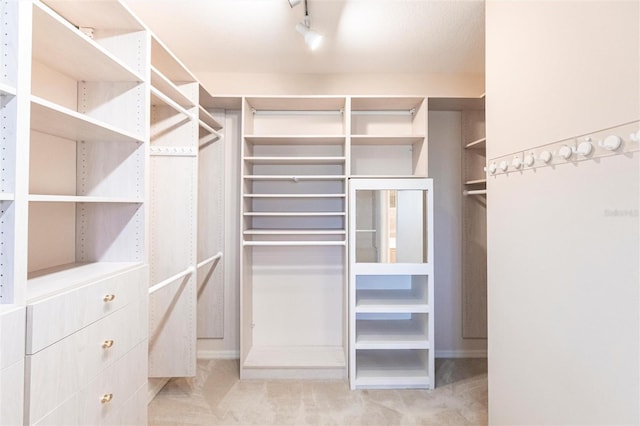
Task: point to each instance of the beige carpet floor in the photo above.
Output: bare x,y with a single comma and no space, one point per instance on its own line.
216,396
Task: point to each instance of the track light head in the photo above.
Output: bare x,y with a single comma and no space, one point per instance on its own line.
294,3
311,38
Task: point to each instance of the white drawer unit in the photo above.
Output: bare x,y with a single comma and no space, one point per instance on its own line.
57,372
81,306
75,341
111,397
12,329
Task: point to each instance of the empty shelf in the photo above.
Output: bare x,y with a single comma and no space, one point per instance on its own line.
301,214
82,199
295,139
166,86
391,334
7,90
406,301
480,143
295,160
295,195
295,357
295,232
386,140
295,178
475,181
293,243
392,369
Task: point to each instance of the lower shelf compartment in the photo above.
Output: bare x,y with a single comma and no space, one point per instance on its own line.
295,357
401,368
295,362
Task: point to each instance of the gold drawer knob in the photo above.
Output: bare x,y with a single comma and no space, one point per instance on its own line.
106,398
109,297
107,344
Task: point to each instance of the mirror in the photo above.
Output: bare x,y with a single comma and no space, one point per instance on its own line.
390,226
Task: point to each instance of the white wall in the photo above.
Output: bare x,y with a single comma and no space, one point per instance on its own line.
445,167
343,84
564,301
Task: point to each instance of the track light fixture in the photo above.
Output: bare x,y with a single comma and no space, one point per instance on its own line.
311,38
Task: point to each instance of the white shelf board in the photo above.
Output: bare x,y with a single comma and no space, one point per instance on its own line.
293,243
294,232
294,214
208,119
295,160
295,357
475,181
295,178
166,62
65,277
385,103
294,195
297,103
7,196
60,45
386,139
166,86
357,176
477,144
390,368
390,334
45,198
392,269
7,90
50,118
295,139
401,301
106,15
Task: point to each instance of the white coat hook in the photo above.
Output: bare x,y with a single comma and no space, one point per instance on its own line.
504,166
585,148
493,168
635,136
545,156
565,152
517,163
611,142
529,160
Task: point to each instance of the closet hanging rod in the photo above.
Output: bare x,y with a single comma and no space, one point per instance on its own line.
411,111
209,260
475,192
190,270
298,112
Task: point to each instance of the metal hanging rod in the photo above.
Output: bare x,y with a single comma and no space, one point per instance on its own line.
411,111
298,112
209,260
190,270
475,192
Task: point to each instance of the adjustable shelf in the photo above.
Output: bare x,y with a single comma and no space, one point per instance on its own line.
477,144
295,178
289,214
61,45
294,195
7,90
390,301
294,243
52,119
475,182
295,160
392,334
82,199
167,87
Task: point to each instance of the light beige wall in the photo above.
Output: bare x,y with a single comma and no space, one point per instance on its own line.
564,301
343,84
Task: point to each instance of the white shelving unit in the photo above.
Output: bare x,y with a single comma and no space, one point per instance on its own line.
294,170
391,284
388,137
474,211
174,139
78,194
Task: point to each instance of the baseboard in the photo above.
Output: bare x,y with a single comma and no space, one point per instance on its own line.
465,353
209,354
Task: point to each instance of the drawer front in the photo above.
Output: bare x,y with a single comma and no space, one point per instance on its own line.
12,329
11,394
51,319
133,412
121,381
60,370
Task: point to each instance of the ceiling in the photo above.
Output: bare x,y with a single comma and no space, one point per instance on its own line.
360,36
